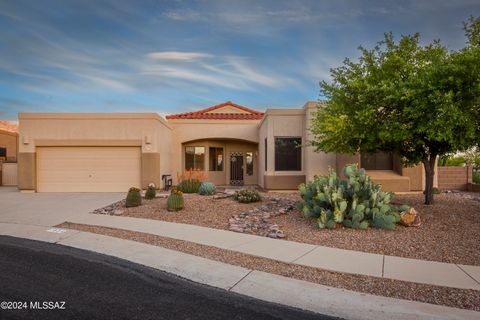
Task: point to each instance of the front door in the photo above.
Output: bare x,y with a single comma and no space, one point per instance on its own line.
236,169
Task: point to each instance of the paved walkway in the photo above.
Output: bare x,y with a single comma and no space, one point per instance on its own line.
339,260
47,209
296,293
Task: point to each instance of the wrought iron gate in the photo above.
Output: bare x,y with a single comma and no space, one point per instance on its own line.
236,169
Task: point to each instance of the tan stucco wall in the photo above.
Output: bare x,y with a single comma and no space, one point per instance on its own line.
223,177
280,123
290,182
316,163
9,140
262,134
147,130
151,169
27,174
185,131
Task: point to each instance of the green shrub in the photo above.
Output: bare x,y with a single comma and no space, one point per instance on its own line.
175,200
134,198
355,202
151,192
476,177
207,189
190,180
247,195
451,161
189,186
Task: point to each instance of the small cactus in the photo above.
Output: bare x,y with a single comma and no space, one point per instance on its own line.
151,192
207,189
175,200
247,196
134,198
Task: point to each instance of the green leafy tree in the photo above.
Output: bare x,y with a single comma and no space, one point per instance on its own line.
416,101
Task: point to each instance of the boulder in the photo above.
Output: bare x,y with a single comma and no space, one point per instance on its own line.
410,218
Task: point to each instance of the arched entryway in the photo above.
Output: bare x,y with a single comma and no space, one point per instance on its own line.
225,161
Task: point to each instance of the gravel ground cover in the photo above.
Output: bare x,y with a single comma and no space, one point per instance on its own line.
450,229
459,298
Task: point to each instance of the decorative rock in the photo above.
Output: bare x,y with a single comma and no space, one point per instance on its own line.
417,221
409,217
222,195
117,212
258,220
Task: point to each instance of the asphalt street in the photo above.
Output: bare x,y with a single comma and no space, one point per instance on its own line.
40,280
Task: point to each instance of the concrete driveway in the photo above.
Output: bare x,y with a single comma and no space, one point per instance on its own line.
48,209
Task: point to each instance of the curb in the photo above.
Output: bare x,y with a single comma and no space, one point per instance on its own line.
268,287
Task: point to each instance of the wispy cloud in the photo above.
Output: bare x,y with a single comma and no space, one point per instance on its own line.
231,72
177,55
65,55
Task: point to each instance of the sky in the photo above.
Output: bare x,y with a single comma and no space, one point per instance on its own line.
177,56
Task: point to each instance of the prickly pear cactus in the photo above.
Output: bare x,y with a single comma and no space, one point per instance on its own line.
355,202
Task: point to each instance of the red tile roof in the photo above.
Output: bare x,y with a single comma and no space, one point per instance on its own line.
204,113
8,126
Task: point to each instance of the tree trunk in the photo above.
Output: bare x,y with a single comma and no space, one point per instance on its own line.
429,165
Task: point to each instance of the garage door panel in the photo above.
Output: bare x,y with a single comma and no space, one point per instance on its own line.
88,169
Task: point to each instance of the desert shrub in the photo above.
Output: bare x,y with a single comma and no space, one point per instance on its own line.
190,180
151,192
247,195
476,177
451,161
175,200
355,202
207,189
134,198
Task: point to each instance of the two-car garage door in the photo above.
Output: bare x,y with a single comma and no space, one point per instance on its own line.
88,169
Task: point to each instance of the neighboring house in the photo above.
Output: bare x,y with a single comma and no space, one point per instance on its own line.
233,144
8,153
8,146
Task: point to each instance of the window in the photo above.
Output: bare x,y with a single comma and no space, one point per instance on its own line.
266,154
215,159
3,154
249,161
195,158
288,154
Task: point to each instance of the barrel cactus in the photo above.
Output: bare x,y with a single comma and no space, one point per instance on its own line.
355,202
151,192
134,199
175,200
207,189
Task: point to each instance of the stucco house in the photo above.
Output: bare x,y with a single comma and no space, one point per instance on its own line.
234,145
8,153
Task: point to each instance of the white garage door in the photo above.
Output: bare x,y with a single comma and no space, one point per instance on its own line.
88,169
